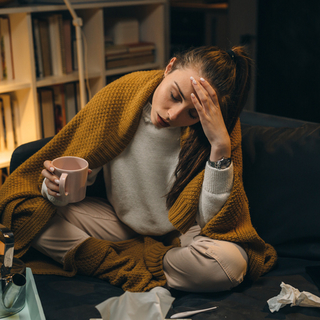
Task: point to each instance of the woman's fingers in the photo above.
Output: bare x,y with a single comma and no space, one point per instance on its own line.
48,165
53,188
206,99
207,104
206,95
212,93
52,181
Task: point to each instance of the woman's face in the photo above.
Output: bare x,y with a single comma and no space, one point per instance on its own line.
171,102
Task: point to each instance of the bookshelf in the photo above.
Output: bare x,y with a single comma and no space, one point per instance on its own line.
23,89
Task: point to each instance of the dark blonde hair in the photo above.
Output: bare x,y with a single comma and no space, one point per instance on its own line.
229,73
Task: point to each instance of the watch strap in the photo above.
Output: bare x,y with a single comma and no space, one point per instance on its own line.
223,163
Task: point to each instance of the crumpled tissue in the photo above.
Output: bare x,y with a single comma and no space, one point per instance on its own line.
291,295
154,305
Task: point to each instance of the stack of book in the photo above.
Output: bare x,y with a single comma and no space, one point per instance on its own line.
9,122
58,105
53,45
129,54
6,59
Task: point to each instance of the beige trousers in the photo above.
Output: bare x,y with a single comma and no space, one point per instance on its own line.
201,264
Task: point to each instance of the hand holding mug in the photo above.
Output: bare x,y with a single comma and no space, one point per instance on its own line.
66,178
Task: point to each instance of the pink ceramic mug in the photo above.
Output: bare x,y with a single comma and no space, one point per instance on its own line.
73,174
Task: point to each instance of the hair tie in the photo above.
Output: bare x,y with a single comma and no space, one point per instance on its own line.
232,55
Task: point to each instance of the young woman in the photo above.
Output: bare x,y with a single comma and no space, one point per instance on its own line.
170,148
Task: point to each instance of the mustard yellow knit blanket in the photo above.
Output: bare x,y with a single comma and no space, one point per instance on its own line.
98,134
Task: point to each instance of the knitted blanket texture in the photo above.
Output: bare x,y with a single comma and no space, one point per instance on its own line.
98,133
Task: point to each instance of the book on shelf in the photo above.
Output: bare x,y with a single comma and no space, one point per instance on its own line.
142,46
37,49
45,47
70,100
15,110
53,38
58,105
8,135
129,54
46,104
6,49
129,61
62,43
55,45
67,31
75,55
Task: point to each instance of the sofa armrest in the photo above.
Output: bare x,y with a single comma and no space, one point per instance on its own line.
25,151
281,178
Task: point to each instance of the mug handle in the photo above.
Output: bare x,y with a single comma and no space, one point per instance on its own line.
62,185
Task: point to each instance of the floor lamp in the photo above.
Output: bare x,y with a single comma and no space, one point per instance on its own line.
77,22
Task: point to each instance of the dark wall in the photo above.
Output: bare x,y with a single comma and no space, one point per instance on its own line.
288,58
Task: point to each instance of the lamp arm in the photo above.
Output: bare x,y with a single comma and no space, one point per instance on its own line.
77,22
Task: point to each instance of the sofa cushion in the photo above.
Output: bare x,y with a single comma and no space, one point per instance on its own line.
281,177
76,298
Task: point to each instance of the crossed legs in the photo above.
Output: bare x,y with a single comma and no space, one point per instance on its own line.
201,264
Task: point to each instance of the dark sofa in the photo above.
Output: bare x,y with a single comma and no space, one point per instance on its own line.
281,176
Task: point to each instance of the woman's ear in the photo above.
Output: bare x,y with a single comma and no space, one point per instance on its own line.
169,66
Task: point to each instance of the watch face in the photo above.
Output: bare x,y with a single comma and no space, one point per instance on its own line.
224,163
220,164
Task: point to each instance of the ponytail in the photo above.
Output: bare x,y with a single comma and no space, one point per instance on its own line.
242,85
229,74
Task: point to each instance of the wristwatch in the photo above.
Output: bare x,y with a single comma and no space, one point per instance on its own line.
223,163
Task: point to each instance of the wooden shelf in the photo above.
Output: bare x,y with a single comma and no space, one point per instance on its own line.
151,14
52,80
32,8
13,85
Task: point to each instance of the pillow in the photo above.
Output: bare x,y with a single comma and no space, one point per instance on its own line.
281,174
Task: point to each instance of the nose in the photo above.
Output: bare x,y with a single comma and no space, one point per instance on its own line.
174,113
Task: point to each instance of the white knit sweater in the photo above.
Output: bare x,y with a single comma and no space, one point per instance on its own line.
138,179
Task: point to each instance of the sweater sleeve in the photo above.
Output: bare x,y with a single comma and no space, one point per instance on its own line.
216,188
58,202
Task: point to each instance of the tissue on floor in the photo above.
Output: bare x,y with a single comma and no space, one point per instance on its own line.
154,305
292,296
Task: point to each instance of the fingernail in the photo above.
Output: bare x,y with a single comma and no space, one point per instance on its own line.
57,181
58,194
51,169
194,81
192,95
201,79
